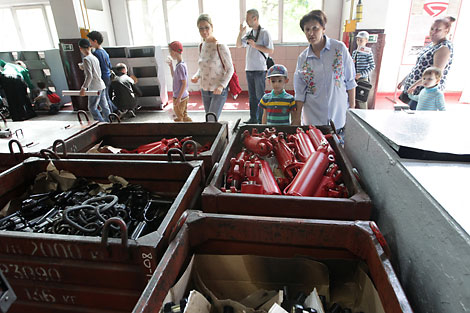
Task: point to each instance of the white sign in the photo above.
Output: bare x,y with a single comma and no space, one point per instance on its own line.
67,47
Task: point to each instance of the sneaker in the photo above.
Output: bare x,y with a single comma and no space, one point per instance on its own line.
235,97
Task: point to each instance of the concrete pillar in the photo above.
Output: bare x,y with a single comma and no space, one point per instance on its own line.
68,20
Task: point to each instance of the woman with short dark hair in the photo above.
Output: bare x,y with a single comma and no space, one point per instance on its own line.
324,77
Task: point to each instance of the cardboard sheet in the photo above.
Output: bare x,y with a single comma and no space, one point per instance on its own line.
246,281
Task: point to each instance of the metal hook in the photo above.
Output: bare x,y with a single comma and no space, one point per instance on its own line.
192,143
64,147
46,154
81,112
19,130
212,173
20,148
114,115
122,225
211,114
176,151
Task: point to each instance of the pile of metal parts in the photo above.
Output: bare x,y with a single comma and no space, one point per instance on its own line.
272,163
187,145
82,211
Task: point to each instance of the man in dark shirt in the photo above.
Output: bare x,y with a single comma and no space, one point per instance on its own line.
96,39
124,90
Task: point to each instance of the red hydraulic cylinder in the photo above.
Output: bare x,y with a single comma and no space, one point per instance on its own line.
318,139
164,146
285,157
256,144
329,185
259,173
236,173
309,177
303,144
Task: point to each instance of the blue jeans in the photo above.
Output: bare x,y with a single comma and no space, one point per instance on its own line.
256,87
94,101
107,82
214,103
413,104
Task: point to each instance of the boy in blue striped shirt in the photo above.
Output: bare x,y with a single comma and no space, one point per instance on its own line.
364,62
277,105
430,98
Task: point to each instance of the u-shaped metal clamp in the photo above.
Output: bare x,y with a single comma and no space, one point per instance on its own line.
20,148
190,143
212,173
47,154
64,146
211,114
81,112
122,225
114,116
175,151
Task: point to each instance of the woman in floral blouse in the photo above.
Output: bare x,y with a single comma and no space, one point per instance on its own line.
324,77
215,68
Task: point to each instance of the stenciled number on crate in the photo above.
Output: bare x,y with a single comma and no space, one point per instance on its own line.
58,250
147,257
12,249
40,295
26,272
46,295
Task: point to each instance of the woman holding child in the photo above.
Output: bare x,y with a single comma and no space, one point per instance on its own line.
438,54
215,68
324,79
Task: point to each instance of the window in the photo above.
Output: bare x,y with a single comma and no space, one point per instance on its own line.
50,18
28,28
268,15
162,21
182,18
293,12
34,29
141,35
225,29
10,39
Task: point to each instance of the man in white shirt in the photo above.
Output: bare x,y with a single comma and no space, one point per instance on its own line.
93,81
259,45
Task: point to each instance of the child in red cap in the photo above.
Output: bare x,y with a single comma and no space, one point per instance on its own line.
180,82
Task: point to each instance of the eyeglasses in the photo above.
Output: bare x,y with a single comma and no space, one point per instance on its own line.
204,28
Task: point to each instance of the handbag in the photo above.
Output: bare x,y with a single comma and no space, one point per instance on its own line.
404,97
362,90
269,60
234,79
363,86
53,97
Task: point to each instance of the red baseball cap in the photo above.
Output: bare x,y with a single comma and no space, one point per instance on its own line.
176,46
